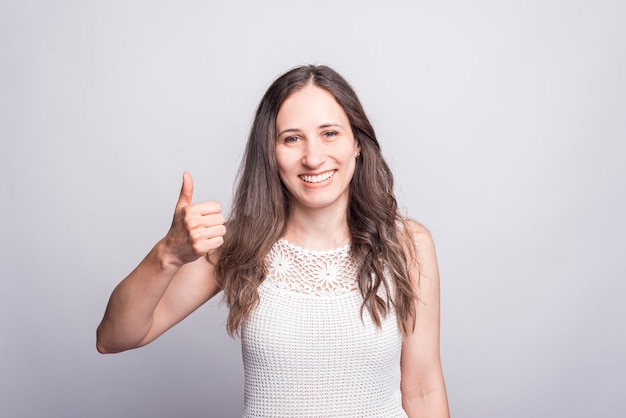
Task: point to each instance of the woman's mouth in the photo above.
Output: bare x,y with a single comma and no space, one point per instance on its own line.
318,178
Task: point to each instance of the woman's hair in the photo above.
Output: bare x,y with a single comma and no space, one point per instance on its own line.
380,238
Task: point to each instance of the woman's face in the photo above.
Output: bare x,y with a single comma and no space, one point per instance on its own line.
315,150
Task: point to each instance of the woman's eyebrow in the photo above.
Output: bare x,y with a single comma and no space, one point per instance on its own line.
287,130
330,125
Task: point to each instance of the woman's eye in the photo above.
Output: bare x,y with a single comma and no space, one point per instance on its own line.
290,139
329,134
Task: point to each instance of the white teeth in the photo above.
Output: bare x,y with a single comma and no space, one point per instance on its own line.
318,178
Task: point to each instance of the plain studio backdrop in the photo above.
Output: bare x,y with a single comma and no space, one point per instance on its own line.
504,123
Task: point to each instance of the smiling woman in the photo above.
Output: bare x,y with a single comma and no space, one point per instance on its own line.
335,295
315,151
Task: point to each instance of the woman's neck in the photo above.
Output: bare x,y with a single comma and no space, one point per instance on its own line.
317,229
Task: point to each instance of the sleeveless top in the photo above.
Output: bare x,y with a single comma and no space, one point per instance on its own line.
307,352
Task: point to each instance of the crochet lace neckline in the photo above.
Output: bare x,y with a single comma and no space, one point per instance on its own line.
283,241
314,272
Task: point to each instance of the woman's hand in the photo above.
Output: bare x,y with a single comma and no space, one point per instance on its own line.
171,282
196,228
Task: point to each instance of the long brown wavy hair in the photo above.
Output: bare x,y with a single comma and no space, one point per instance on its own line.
380,237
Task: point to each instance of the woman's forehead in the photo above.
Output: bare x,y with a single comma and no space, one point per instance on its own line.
310,105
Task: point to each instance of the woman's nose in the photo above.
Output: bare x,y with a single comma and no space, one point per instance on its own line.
313,154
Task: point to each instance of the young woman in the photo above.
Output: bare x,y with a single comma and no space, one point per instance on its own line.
334,294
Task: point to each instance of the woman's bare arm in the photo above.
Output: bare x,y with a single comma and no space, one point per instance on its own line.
173,280
423,388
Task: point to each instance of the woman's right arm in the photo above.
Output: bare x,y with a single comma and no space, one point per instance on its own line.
174,279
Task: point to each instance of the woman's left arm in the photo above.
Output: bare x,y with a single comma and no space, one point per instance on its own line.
423,388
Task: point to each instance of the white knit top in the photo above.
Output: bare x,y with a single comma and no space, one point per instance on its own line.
306,350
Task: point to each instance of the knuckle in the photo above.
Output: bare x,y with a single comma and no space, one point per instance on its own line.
198,249
195,235
190,211
191,223
217,241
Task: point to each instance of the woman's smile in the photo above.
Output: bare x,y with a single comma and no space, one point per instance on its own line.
319,178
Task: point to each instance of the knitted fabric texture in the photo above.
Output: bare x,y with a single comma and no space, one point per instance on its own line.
306,350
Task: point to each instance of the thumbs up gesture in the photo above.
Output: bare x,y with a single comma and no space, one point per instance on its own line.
196,228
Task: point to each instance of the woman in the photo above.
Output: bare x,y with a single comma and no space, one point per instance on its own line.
335,295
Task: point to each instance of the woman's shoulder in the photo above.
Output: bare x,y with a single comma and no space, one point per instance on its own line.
419,246
416,233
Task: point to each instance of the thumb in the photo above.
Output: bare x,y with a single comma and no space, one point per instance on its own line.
186,192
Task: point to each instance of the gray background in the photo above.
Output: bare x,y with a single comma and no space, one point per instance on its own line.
504,122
